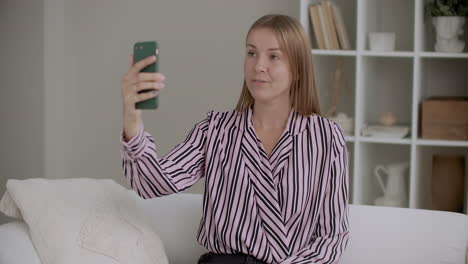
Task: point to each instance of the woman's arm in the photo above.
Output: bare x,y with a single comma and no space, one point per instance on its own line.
151,176
331,234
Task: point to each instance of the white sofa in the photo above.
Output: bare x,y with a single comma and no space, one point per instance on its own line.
378,234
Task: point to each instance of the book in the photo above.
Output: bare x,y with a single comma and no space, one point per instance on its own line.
340,27
330,24
317,27
324,26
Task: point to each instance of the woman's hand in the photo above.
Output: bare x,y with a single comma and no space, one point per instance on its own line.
133,82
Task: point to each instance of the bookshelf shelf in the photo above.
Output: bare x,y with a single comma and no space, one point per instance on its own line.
447,143
403,141
396,81
334,52
388,54
443,55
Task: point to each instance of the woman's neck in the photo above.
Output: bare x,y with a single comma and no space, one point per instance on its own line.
271,116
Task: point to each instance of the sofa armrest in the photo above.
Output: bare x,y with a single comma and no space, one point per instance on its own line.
15,245
405,236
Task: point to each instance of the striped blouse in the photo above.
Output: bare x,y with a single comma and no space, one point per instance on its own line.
291,207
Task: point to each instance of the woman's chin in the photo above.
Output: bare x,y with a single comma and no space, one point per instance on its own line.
259,96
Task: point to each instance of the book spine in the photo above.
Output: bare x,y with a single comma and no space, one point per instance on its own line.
317,27
340,27
331,28
324,26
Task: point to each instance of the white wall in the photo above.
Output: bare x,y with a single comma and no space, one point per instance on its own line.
21,91
62,61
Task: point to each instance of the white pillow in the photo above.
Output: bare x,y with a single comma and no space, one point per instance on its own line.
83,221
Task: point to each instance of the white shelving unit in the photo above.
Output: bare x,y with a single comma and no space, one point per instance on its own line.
395,81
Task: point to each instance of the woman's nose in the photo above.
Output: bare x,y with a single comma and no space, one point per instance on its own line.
260,65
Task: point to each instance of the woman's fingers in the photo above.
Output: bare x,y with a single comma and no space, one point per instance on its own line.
134,76
137,67
139,86
148,76
146,80
146,96
149,86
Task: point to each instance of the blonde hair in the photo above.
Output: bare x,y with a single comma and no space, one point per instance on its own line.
295,43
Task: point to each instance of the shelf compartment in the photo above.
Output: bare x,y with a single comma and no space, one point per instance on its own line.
389,16
324,70
369,189
387,87
348,9
428,32
443,77
422,188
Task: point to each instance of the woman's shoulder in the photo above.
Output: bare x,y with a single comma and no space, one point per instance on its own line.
329,127
224,118
319,120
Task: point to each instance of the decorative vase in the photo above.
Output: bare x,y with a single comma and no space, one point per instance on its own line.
382,41
448,183
448,28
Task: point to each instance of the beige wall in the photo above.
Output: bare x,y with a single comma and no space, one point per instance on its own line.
62,61
21,91
201,43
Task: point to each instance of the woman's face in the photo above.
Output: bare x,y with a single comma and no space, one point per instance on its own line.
266,67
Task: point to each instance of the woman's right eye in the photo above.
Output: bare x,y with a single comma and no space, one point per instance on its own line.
251,53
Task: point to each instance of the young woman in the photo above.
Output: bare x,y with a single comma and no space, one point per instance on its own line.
276,172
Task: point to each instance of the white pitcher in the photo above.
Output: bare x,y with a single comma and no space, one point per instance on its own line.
394,190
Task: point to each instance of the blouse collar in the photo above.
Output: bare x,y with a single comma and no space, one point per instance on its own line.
296,122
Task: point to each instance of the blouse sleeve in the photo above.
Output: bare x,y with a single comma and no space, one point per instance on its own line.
332,231
152,176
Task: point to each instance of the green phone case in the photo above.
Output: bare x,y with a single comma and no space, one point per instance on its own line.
142,50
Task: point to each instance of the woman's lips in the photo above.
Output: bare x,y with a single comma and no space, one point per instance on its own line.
259,82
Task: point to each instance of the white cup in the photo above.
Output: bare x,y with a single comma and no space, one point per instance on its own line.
382,41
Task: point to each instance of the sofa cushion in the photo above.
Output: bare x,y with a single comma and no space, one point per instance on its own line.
15,244
83,221
176,219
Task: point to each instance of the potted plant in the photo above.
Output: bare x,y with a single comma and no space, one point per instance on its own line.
448,18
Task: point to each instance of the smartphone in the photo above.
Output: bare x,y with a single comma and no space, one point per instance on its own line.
142,50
